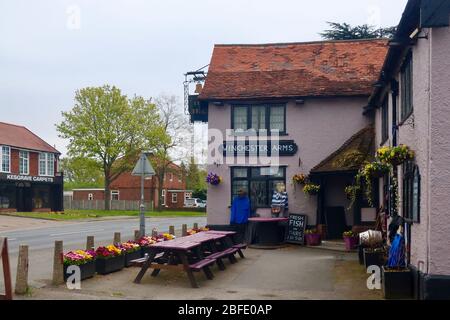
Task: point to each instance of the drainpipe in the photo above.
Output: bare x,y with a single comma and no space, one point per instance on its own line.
428,206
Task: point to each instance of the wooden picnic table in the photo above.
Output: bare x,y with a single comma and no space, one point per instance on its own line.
188,254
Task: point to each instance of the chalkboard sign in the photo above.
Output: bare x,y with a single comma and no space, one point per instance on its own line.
296,228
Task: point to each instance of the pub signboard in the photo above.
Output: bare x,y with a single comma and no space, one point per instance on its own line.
260,148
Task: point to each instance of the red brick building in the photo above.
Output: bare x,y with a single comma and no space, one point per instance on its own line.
29,174
128,187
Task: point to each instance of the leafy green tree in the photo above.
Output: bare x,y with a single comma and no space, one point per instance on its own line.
81,173
108,127
344,31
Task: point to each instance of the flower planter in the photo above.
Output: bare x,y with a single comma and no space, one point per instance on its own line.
132,256
87,270
361,254
397,284
373,258
108,265
350,243
313,239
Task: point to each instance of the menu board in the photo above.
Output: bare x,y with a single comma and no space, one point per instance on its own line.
296,228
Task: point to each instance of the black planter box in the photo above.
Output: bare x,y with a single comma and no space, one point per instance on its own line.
132,256
87,270
361,254
105,266
372,258
397,284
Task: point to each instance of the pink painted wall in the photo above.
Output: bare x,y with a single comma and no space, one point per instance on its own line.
319,127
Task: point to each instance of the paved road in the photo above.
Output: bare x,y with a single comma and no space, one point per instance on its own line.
41,240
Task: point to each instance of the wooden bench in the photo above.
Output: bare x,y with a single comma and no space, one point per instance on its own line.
240,247
203,265
227,253
139,262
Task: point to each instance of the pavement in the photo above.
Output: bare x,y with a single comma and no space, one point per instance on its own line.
40,236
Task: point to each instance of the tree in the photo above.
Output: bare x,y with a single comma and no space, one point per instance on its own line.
81,172
108,127
344,31
175,127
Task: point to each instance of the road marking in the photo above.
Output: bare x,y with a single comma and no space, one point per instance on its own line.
75,232
12,239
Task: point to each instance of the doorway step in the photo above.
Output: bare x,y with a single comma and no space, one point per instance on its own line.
332,245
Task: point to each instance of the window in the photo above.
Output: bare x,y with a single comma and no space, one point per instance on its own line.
5,159
174,197
180,178
170,176
258,182
114,195
90,196
385,120
259,117
46,164
411,191
163,197
24,162
406,88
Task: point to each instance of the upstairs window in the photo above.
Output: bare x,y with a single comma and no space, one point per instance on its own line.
5,159
259,117
385,120
46,164
24,162
406,88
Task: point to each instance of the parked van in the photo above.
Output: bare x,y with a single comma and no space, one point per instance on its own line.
192,203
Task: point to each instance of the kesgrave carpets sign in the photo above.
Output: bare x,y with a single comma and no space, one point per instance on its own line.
15,177
260,148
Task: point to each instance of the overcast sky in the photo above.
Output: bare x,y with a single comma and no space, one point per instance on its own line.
50,48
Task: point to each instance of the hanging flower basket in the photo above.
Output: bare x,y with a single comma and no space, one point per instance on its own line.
311,189
376,169
395,155
213,179
300,179
352,191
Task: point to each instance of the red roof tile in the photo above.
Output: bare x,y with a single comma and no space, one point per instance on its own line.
20,137
326,68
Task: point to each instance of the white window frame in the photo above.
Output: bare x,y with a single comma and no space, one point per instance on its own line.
176,197
187,195
163,196
49,160
180,178
170,176
24,162
1,159
90,196
114,192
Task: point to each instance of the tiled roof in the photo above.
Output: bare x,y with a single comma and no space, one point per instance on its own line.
20,137
351,155
325,68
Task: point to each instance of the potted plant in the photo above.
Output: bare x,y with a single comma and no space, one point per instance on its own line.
373,256
396,278
213,179
83,259
376,169
350,239
109,259
311,189
131,250
395,155
313,238
300,179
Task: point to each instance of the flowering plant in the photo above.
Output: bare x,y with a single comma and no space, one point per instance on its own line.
311,231
311,188
79,257
129,247
213,179
196,230
108,252
395,155
375,169
147,241
300,178
349,234
168,236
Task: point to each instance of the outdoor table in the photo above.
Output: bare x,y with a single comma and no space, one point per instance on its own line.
266,232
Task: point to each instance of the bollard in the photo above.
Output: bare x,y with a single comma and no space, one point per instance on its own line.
116,238
196,225
90,242
172,230
184,230
58,266
154,232
22,270
137,235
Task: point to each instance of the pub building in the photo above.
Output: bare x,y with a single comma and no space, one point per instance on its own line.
313,95
29,177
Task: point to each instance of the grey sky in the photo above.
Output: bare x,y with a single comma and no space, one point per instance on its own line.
143,47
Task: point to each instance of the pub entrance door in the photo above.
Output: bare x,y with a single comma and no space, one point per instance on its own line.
24,198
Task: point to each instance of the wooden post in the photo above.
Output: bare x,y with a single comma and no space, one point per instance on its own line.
196,225
58,266
172,230
22,270
137,235
4,256
184,230
116,238
90,243
154,232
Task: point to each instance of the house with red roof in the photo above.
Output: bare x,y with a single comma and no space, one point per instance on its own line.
29,176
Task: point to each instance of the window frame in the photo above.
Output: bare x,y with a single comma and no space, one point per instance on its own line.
1,159
115,192
163,197
176,197
90,196
259,178
409,202
21,164
385,120
268,112
49,158
406,88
